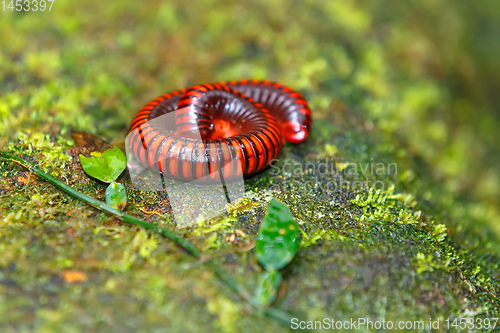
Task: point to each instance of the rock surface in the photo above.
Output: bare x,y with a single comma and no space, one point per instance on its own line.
396,190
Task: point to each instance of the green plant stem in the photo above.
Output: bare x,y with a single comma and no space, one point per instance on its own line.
276,314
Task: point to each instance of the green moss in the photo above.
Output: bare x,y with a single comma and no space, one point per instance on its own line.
411,84
51,151
428,263
381,205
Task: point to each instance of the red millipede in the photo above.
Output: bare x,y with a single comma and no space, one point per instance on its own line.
246,120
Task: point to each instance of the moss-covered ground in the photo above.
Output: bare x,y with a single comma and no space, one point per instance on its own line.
405,225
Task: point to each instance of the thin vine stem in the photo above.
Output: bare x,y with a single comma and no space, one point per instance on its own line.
278,315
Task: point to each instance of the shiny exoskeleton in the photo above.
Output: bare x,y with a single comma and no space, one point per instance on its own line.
217,124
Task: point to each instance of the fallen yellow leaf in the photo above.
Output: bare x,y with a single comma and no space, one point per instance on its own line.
74,276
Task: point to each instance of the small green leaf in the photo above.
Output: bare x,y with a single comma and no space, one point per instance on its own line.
269,283
116,196
94,166
278,237
105,166
116,161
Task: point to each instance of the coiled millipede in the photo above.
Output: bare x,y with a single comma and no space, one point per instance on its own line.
216,124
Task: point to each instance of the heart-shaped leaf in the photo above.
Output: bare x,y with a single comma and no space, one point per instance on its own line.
106,166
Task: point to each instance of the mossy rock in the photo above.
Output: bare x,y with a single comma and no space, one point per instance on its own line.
395,190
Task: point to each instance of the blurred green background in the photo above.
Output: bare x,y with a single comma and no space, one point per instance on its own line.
414,82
